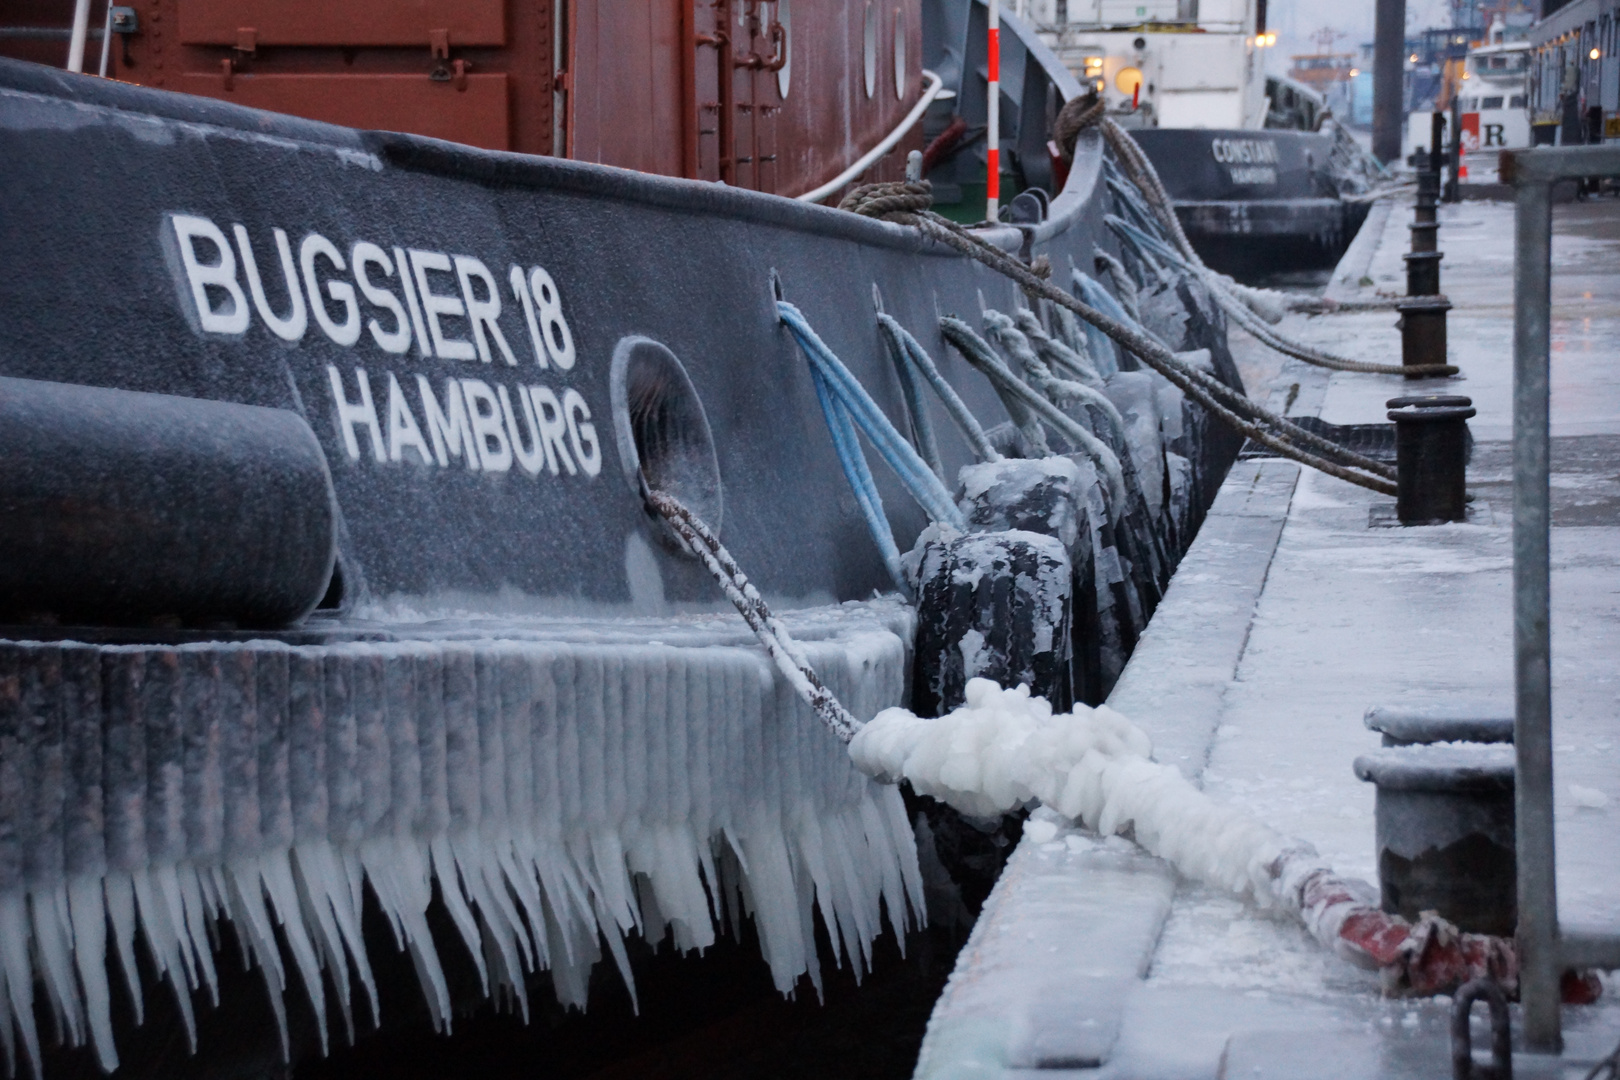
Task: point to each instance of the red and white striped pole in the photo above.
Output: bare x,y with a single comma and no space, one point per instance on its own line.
992,181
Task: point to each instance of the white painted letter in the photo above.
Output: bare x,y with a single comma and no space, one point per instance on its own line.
402,428
348,331
398,339
553,327
484,413
292,327
520,289
483,313
553,428
582,434
435,305
452,435
423,349
350,414
220,275
534,458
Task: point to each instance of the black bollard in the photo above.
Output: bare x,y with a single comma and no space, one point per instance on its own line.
1425,235
1445,828
1431,458
1423,331
1423,273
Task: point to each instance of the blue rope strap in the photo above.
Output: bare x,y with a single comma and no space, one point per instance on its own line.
847,406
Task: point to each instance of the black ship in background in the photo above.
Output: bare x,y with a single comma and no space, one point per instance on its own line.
1264,178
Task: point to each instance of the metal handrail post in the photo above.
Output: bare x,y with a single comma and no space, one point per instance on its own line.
1542,955
1532,655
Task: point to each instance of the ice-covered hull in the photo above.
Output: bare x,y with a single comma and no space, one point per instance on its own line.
516,697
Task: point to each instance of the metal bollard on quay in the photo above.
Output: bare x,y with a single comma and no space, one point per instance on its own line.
1431,457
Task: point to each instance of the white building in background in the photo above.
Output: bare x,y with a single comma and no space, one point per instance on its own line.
1163,63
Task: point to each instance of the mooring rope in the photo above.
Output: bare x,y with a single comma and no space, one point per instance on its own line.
1248,320
779,644
909,203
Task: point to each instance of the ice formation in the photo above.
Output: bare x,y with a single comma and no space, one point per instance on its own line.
1004,749
560,793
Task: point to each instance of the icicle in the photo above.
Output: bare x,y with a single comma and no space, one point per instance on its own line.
276,872
19,989
86,909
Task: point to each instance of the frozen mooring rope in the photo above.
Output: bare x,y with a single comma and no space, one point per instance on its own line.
1004,749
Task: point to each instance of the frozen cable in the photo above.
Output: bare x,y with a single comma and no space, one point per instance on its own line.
779,646
1257,326
1003,749
978,352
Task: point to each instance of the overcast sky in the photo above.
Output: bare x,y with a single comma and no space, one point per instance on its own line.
1296,21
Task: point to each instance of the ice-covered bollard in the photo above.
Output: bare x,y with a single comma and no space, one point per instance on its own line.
1446,833
1431,457
1409,725
995,605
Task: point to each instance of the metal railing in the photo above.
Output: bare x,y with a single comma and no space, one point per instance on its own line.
1544,953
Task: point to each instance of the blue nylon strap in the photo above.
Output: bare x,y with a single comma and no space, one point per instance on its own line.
859,476
846,406
918,479
909,349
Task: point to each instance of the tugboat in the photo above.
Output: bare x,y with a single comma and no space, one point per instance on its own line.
1258,170
347,640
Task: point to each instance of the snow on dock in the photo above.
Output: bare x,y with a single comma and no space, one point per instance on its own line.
1291,615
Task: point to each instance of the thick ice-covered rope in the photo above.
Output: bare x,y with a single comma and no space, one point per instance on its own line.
779,645
1003,749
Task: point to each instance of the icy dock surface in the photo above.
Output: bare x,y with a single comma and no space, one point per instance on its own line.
1287,620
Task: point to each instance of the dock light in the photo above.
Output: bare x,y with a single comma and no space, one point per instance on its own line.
1354,72
1129,80
1594,54
1413,58
1271,39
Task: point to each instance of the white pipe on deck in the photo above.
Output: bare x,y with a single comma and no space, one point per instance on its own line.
81,30
932,91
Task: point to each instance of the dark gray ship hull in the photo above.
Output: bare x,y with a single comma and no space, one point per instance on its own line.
510,648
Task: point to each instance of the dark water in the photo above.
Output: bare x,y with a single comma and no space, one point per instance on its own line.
1308,282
